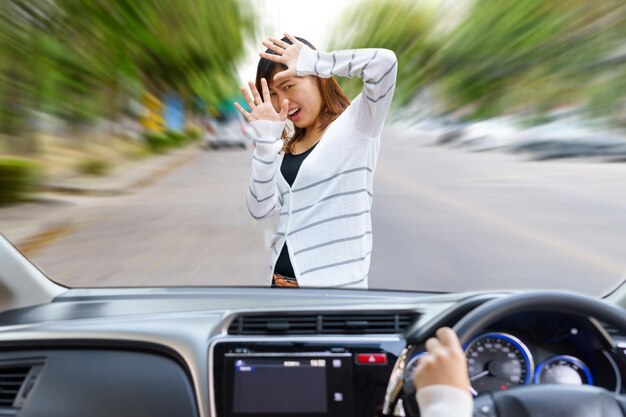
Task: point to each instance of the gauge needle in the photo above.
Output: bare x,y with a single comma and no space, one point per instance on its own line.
479,375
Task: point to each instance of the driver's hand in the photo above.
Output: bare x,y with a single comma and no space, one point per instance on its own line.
444,363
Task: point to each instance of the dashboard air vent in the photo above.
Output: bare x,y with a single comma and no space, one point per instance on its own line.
375,323
268,325
11,380
366,324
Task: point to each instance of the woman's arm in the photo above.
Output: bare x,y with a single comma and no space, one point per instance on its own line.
377,68
263,198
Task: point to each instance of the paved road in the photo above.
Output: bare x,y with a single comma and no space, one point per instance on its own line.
443,220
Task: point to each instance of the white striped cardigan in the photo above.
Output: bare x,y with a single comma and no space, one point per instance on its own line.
325,216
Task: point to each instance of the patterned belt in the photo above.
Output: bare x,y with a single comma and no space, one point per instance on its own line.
284,282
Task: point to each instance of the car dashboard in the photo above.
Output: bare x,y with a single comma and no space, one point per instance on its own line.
244,352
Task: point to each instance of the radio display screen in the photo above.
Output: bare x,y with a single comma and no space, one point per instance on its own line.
307,384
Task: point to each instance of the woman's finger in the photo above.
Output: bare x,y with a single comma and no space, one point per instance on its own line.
271,57
291,38
248,98
274,47
284,109
255,93
280,42
283,75
266,91
243,111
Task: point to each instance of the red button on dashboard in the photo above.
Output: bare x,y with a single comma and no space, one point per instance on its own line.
371,358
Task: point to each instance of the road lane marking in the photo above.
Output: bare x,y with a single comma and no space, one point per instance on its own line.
35,243
525,232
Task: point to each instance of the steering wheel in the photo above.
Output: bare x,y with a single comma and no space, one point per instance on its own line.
545,400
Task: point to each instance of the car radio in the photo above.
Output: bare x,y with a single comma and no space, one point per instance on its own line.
261,379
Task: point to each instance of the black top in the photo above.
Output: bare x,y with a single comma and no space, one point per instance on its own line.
289,168
291,164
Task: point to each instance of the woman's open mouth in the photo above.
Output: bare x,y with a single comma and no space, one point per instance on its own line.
294,114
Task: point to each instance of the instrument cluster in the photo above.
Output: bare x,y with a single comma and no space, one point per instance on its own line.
535,349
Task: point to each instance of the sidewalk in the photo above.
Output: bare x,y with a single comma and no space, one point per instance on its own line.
52,210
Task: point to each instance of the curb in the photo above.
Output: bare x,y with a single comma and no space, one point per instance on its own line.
58,228
148,178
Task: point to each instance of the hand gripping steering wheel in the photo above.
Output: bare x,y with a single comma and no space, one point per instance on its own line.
545,400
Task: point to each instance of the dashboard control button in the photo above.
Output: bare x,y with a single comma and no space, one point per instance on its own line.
371,358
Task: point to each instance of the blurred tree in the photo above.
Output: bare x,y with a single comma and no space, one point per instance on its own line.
21,23
504,54
503,42
403,26
82,59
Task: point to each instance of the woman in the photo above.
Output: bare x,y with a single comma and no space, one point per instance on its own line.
317,181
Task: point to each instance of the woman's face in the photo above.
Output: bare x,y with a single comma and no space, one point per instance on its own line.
303,94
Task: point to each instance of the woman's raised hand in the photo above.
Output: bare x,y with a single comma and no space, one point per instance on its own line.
261,107
287,55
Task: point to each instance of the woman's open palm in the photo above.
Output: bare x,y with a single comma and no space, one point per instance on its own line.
286,54
261,107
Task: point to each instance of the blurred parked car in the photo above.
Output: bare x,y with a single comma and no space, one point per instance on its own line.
228,131
570,138
489,134
442,131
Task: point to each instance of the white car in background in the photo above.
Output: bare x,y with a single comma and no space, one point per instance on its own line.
228,131
489,134
571,138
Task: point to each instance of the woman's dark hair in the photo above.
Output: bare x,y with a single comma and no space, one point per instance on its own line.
334,100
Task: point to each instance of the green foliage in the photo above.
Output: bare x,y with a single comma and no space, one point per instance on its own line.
157,142
193,133
175,138
403,26
83,59
162,141
529,48
503,55
18,178
96,167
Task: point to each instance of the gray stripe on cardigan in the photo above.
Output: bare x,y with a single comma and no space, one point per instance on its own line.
368,62
264,182
350,65
349,261
257,198
330,197
381,97
330,219
316,62
264,215
332,242
348,283
384,75
256,158
271,142
349,171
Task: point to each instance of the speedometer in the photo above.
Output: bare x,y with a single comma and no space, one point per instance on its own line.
498,361
563,369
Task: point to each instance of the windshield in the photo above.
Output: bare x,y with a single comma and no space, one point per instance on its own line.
429,146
